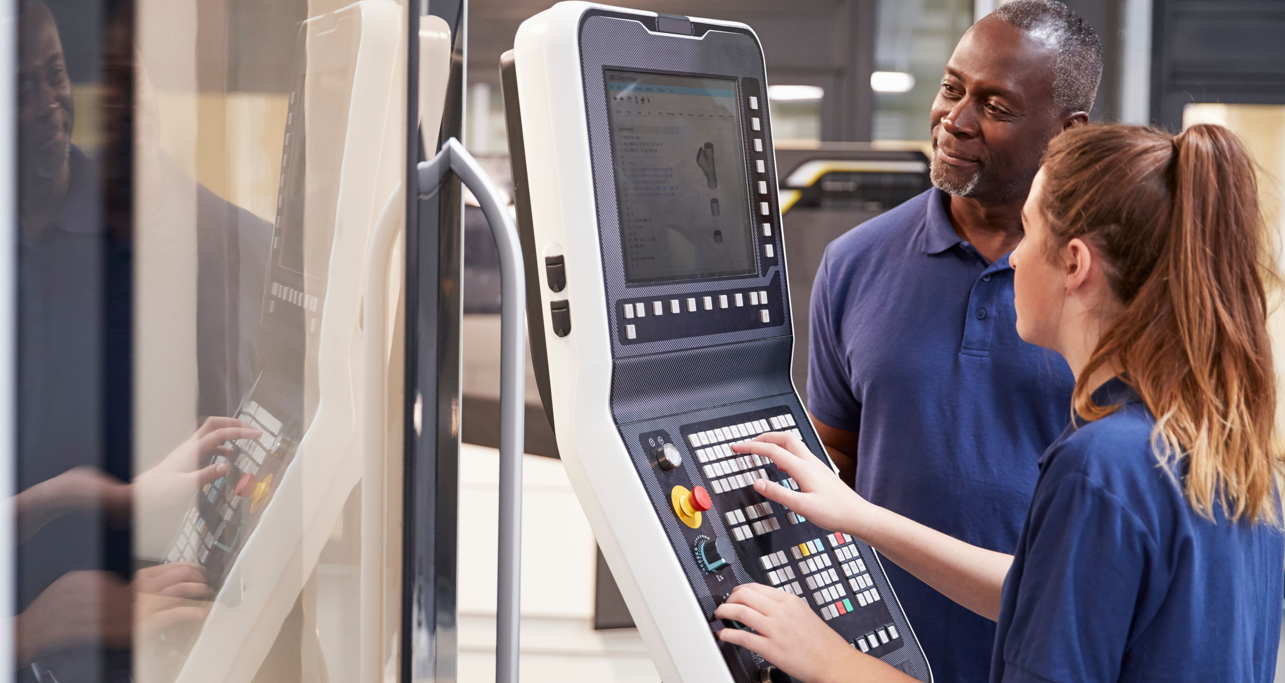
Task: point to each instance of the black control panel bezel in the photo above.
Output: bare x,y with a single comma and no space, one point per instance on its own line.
608,43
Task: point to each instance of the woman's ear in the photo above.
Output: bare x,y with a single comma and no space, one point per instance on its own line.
1079,262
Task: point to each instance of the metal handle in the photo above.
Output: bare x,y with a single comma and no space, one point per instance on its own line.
456,159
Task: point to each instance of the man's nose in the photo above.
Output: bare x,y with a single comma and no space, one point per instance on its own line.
961,120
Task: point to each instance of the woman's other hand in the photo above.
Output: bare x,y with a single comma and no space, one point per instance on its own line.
793,638
822,497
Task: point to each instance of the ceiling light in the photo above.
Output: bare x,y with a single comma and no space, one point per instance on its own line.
794,93
891,81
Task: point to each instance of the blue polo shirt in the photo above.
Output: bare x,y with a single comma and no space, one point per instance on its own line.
914,347
1117,578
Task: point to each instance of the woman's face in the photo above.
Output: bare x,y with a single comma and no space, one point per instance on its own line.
1039,283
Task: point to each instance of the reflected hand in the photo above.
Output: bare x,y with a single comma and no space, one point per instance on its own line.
80,608
170,594
179,476
822,498
789,634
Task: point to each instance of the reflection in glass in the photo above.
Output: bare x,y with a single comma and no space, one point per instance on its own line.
193,223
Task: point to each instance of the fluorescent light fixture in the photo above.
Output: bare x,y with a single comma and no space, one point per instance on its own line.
891,81
794,93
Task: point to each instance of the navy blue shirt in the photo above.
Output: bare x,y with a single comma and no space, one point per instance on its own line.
1117,578
914,347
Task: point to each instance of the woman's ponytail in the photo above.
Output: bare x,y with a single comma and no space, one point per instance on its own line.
1178,221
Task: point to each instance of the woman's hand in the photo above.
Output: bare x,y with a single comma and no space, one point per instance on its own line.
794,639
178,477
822,497
971,576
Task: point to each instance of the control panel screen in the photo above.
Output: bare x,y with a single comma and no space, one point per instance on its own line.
680,176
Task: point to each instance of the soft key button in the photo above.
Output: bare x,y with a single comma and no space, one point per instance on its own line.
708,303
658,308
691,305
722,301
740,299
640,310
673,306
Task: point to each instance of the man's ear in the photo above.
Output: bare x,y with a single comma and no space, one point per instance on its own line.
1078,118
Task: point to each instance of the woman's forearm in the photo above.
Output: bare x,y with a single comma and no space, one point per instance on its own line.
968,575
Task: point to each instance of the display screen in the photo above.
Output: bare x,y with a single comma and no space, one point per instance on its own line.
680,176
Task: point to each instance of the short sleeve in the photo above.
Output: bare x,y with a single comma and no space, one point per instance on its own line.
830,396
1084,558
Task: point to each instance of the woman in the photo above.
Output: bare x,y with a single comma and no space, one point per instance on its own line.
1152,549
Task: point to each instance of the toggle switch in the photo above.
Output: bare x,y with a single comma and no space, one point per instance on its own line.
555,270
560,316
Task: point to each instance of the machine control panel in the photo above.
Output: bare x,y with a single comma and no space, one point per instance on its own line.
768,543
671,249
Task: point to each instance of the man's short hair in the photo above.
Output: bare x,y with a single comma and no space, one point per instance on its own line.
1079,51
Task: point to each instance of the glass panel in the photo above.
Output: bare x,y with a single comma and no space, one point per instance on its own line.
201,183
915,40
275,151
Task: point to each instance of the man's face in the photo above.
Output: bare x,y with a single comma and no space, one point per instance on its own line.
994,113
44,96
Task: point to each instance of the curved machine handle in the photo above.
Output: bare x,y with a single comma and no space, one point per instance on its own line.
456,159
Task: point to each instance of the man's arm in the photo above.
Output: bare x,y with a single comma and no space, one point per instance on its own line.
841,445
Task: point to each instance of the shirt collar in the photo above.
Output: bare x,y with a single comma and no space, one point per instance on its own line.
938,234
1113,392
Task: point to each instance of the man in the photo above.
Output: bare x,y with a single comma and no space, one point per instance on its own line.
918,383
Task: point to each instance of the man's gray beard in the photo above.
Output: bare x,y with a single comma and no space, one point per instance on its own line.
945,184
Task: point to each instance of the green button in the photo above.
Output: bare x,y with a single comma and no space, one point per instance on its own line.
847,605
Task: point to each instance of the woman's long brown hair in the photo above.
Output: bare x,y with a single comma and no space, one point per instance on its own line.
1177,222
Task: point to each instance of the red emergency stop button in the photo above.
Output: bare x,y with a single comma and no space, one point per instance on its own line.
688,505
699,499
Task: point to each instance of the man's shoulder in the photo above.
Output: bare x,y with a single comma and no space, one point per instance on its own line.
884,233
